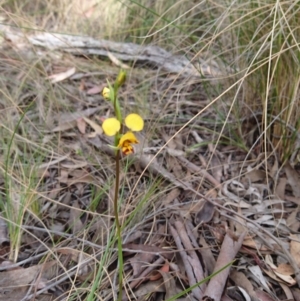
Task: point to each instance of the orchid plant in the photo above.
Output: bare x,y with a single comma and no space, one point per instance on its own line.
123,143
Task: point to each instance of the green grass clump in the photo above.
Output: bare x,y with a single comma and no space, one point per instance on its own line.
267,53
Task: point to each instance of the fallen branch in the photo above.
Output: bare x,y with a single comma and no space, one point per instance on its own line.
146,55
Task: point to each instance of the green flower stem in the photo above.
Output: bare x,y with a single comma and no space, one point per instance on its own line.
118,110
118,226
113,97
116,103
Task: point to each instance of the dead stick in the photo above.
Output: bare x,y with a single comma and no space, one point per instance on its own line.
228,251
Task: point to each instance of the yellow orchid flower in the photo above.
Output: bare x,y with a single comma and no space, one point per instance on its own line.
106,93
112,126
121,78
126,141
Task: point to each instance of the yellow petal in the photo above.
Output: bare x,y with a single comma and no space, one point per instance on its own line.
127,139
111,126
134,122
106,93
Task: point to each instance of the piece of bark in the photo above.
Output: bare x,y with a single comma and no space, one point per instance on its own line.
207,256
187,239
196,292
228,251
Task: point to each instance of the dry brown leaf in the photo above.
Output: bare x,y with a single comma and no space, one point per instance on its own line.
286,278
216,168
73,253
273,272
280,188
116,61
65,174
83,259
292,199
63,178
279,277
75,223
55,78
158,274
205,214
287,291
73,164
292,221
293,179
242,281
285,269
72,116
64,126
81,125
175,152
53,162
96,127
92,135
83,177
171,196
82,85
95,90
263,296
257,273
67,121
140,261
256,175
22,277
100,226
150,288
295,247
296,293
240,223
274,169
170,285
4,240
188,208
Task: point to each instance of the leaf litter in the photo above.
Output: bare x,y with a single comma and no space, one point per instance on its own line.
206,206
